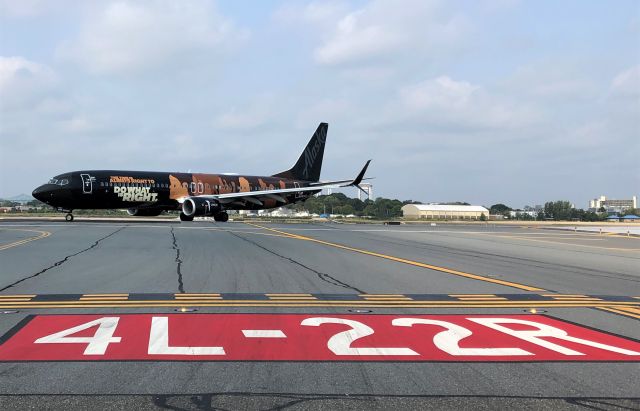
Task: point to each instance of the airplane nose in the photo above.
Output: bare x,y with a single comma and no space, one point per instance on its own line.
47,194
38,193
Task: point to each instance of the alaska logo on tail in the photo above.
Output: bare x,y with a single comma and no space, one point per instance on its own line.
309,164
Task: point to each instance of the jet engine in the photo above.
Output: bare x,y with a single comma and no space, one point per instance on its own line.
144,212
197,207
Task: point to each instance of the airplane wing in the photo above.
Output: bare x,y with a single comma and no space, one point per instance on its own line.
256,197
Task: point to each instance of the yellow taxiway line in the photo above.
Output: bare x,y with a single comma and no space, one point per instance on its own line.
570,244
405,261
623,310
42,234
327,303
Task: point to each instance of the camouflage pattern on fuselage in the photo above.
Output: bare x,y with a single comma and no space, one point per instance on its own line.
108,189
155,191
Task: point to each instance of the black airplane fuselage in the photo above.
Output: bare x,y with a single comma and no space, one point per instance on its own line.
148,190
148,193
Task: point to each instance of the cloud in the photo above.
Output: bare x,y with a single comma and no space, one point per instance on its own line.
131,37
77,124
551,80
383,28
22,81
627,83
24,8
248,116
318,13
460,105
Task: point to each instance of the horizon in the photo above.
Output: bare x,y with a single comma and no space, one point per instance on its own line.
525,102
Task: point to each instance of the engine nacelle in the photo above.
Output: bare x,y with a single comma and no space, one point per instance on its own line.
197,207
144,212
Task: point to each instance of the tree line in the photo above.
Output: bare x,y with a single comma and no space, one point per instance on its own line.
385,208
558,211
338,203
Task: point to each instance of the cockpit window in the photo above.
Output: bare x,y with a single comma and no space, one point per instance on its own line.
59,182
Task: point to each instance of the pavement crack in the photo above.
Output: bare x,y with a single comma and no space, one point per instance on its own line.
178,261
322,276
64,260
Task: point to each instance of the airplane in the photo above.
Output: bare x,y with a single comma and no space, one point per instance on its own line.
148,193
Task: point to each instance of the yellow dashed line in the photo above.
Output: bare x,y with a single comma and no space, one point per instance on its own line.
634,310
17,296
302,304
405,261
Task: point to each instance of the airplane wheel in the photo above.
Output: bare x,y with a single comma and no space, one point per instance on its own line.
69,217
184,217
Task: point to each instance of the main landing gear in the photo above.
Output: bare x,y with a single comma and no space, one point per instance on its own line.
184,217
223,217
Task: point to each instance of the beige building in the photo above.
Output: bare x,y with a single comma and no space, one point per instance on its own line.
444,212
612,206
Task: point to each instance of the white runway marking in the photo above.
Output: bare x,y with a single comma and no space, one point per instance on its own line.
264,334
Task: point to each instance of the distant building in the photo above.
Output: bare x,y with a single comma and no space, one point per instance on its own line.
518,213
444,212
535,208
630,218
612,206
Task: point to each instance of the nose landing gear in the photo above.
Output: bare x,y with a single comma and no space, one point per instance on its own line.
68,216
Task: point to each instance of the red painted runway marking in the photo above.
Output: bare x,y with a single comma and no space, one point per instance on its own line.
311,337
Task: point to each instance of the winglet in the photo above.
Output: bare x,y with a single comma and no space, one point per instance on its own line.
356,182
358,179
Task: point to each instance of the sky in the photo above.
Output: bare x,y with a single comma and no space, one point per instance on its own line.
497,101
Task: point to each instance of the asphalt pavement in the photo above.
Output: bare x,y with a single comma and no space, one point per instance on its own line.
52,273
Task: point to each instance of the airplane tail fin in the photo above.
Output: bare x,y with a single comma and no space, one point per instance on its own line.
309,164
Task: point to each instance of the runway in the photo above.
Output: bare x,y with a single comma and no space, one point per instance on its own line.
186,277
